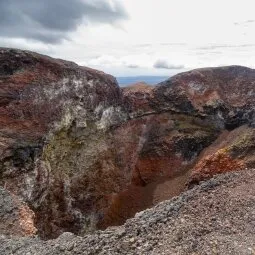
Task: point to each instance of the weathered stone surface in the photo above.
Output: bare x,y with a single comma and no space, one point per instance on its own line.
53,119
16,219
215,217
233,150
85,154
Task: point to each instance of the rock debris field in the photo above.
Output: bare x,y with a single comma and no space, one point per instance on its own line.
215,217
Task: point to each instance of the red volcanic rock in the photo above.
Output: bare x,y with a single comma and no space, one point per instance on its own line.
36,88
137,97
233,150
85,154
139,86
16,219
41,97
226,93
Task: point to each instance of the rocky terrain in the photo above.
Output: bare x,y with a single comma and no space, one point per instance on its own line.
216,217
78,153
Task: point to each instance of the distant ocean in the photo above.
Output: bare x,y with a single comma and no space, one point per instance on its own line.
152,80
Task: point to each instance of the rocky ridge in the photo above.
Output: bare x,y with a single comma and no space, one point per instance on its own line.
84,154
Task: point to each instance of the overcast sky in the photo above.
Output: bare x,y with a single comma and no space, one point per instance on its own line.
134,37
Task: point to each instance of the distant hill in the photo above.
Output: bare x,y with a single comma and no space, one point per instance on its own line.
138,86
152,80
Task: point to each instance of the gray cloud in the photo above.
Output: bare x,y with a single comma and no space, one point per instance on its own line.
163,64
245,23
173,44
133,66
50,21
224,46
204,53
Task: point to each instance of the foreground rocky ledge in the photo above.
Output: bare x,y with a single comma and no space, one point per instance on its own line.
216,217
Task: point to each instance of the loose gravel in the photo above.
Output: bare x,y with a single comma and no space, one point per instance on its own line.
215,217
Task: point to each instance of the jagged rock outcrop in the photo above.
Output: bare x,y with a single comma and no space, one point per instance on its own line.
53,118
85,154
